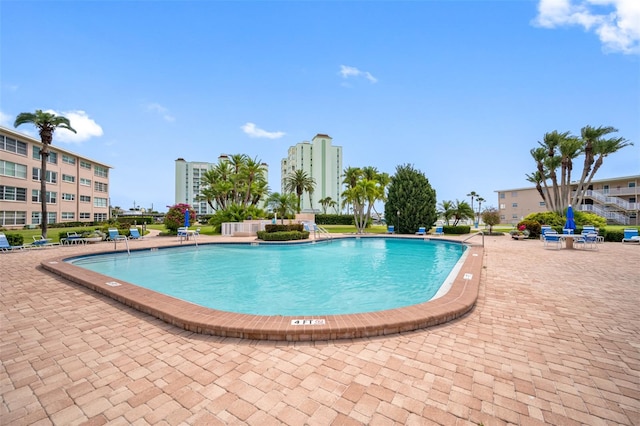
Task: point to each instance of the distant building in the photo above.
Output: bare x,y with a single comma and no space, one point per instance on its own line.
188,178
323,162
77,187
615,199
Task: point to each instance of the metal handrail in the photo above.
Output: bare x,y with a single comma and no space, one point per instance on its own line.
475,235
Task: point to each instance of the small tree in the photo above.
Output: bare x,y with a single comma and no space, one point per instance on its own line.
174,218
411,201
491,216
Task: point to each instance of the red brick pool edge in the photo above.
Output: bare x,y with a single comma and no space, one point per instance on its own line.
459,300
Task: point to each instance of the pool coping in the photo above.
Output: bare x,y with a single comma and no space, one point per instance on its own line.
459,300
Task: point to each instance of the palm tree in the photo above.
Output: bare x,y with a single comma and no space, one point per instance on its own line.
462,210
480,200
282,204
298,182
446,210
473,195
325,203
46,123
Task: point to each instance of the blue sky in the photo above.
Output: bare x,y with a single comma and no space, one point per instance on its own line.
462,90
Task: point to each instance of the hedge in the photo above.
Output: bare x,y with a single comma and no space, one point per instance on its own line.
283,235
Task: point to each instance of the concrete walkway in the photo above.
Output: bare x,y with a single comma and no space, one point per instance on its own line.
554,339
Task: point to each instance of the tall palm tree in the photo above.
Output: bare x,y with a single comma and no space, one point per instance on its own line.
473,195
480,200
282,204
298,182
46,123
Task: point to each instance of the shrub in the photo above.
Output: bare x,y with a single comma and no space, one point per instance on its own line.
174,218
18,239
283,235
533,226
283,228
456,230
334,219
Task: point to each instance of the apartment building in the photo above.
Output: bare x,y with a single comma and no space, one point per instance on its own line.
77,187
188,178
322,161
615,199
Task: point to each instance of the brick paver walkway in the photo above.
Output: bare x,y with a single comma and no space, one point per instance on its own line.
554,339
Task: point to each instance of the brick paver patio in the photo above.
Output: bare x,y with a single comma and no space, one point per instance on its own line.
553,339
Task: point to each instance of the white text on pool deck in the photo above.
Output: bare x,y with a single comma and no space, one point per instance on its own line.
307,322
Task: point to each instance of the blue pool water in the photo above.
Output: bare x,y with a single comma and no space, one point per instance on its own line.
345,276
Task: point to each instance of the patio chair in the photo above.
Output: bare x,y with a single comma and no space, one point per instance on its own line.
588,240
631,236
543,230
134,234
421,231
552,238
439,230
72,238
5,246
183,233
391,229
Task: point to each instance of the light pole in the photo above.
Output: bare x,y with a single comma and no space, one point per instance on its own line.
398,213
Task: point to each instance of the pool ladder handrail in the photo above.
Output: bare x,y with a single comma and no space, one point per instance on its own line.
322,231
126,242
475,235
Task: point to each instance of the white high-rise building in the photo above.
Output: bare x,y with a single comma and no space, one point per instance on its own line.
322,161
188,181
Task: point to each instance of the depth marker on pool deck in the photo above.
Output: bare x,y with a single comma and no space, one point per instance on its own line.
307,322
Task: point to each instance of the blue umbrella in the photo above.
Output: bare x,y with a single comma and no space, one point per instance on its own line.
186,219
570,223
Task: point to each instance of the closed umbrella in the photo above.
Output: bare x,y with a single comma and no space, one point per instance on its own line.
570,223
186,219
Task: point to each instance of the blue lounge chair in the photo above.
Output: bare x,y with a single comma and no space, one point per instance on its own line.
421,231
115,235
439,230
631,236
134,234
543,230
41,242
391,229
5,246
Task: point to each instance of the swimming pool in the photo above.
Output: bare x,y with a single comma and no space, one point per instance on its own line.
346,276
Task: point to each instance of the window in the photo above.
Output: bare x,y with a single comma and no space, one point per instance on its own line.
68,215
68,178
542,204
85,182
514,204
52,197
502,195
514,193
503,206
99,202
53,156
52,177
85,165
101,171
8,218
11,193
85,215
631,185
12,145
68,197
36,217
67,159
100,186
7,168
514,216
502,217
99,217
85,199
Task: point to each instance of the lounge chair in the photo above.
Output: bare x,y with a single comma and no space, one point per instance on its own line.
543,230
552,238
439,230
115,235
391,229
631,236
5,246
41,242
183,234
72,238
134,234
421,231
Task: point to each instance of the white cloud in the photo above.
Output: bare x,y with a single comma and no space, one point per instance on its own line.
347,71
85,127
254,132
164,112
5,120
616,22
